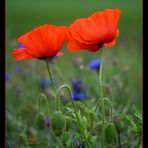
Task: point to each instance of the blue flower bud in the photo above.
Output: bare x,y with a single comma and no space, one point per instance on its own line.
95,65
77,85
79,96
45,83
7,76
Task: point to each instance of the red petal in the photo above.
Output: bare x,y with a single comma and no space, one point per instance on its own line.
74,46
99,28
21,54
112,43
107,22
44,40
84,30
58,38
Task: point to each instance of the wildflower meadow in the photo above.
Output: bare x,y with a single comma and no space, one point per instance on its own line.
73,74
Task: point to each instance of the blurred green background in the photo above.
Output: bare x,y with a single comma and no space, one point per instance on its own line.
122,71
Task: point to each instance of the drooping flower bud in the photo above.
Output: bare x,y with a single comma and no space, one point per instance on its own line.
57,123
118,121
40,121
110,133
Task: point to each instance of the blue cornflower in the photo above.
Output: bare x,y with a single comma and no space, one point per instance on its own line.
77,85
7,76
78,93
79,96
18,69
45,83
95,65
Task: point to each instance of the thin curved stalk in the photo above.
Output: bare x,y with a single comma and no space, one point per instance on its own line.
50,75
42,97
75,110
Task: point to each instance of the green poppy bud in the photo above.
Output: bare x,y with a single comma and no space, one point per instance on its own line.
40,121
57,123
110,133
65,138
119,126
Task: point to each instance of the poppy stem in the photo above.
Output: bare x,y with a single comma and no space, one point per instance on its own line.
58,102
58,139
69,91
41,98
102,100
49,72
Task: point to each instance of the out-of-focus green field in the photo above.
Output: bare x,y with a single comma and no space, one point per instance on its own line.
122,68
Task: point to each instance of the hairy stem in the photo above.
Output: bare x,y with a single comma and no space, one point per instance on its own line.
102,101
41,98
58,139
49,72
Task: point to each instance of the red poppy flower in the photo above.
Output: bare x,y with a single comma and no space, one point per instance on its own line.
93,32
43,41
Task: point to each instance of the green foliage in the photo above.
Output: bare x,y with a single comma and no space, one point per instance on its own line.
134,122
18,127
43,144
66,139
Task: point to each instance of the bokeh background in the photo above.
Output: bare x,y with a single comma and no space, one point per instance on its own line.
122,68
